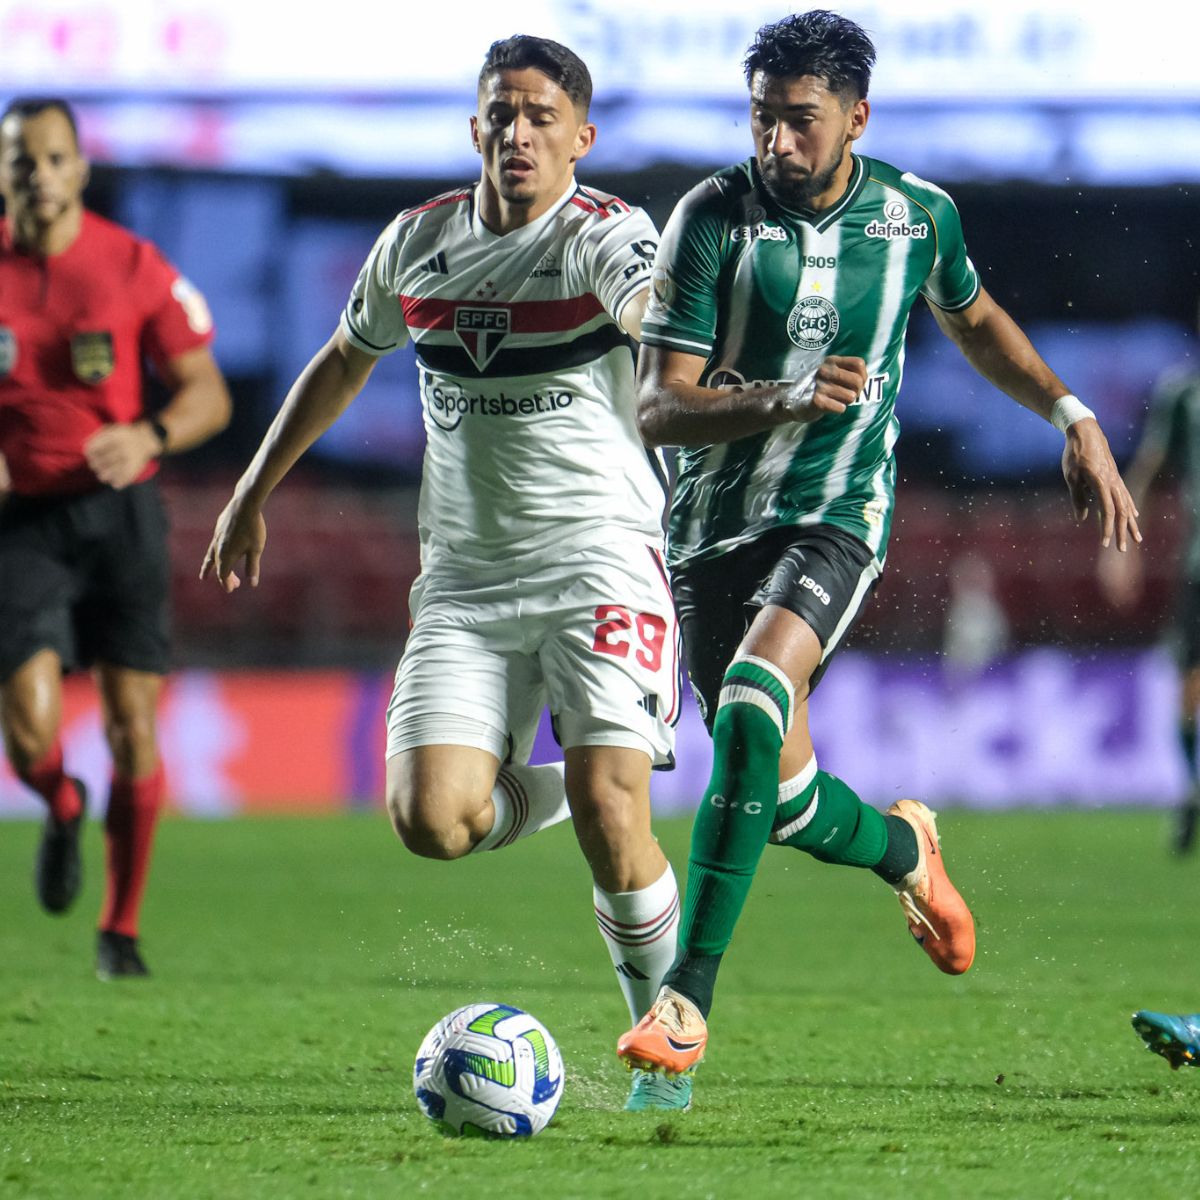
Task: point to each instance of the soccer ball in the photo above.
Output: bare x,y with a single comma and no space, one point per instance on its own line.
489,1070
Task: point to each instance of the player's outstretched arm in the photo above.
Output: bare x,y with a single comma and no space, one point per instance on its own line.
199,407
325,387
674,410
993,343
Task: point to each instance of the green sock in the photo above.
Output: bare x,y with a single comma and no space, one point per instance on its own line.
825,818
734,819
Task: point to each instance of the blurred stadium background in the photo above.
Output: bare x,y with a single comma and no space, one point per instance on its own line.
264,154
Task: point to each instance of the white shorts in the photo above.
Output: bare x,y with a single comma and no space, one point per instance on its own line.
593,637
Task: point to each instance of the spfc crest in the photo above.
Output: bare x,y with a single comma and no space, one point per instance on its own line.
8,351
481,330
92,356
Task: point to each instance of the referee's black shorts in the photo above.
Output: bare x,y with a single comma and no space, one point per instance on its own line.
821,573
85,575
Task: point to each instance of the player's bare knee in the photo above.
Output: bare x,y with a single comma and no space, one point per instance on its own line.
433,840
426,828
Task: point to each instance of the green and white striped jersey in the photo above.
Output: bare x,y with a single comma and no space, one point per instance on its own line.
765,294
1173,428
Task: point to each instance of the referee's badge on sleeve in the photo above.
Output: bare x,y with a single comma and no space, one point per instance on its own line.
8,351
92,356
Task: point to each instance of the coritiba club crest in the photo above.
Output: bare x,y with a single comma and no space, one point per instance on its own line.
813,323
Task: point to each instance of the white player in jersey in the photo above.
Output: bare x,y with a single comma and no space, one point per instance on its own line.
542,581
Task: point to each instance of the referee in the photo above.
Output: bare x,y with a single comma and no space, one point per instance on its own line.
84,306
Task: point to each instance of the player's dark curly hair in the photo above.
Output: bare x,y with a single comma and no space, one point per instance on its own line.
34,106
819,43
553,59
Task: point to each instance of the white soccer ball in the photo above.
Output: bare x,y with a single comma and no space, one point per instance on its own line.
489,1070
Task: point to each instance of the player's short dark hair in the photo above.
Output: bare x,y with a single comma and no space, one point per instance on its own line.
34,106
553,59
819,43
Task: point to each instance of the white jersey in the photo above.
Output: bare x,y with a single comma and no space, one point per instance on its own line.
526,375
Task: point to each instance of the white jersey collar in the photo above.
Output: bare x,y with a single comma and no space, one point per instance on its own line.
484,234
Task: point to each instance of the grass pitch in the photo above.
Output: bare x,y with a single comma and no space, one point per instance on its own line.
297,964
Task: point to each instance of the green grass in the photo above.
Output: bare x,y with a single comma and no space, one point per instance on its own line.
297,965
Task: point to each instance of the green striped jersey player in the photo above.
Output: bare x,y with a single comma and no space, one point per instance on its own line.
764,295
772,352
1172,433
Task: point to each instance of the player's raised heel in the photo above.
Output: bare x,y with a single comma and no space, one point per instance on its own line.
938,917
671,1037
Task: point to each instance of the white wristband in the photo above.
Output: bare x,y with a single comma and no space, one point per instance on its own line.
1066,411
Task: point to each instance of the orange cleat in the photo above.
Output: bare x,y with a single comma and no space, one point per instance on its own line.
671,1037
938,917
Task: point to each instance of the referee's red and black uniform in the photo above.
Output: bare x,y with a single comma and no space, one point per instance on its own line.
83,566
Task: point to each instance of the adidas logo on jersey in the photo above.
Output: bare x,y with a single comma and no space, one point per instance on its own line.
437,264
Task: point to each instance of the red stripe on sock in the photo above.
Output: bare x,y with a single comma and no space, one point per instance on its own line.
668,921
133,808
674,903
47,778
519,799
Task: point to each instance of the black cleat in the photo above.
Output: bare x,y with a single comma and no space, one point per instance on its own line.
1183,838
117,957
58,871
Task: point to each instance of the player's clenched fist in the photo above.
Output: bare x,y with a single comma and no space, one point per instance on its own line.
240,533
838,382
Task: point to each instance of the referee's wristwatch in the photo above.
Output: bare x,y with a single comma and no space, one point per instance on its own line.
160,431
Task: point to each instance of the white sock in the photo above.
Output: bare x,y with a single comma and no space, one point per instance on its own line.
640,930
526,799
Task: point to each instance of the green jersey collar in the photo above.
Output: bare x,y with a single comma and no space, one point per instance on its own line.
826,217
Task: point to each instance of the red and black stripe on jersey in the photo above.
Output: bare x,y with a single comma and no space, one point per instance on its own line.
423,314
